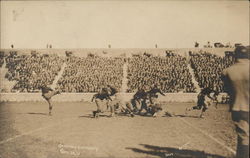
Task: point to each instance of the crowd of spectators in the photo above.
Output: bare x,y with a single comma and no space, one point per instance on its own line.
90,74
208,69
30,71
1,58
217,45
170,73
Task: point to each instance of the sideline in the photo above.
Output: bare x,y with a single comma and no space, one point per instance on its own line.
208,135
36,130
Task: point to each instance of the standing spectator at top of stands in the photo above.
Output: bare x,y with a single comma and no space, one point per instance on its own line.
50,46
228,45
218,45
12,46
209,45
196,45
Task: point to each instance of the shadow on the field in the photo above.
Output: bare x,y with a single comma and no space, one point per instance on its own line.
187,116
87,116
37,113
91,116
169,152
106,115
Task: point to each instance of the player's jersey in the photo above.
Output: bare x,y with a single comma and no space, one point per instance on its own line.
141,94
46,89
113,91
208,91
201,98
101,96
153,92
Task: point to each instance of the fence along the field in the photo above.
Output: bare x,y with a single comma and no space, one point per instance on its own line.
68,97
76,97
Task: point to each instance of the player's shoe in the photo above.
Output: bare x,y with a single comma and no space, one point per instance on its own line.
112,115
95,114
169,114
155,114
50,114
123,111
58,92
202,116
132,115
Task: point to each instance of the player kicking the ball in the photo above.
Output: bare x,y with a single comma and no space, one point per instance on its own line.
47,94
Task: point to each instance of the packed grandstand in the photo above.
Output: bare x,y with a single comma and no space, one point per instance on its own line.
174,72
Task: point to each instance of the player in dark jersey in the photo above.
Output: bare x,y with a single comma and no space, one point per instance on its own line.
99,99
203,100
113,105
153,93
140,98
47,94
112,93
154,106
211,94
111,90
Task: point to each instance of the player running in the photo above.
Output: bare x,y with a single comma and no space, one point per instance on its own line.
204,100
47,94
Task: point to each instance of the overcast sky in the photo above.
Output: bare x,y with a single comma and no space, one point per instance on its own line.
123,24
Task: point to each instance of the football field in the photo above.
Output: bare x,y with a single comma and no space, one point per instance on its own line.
27,131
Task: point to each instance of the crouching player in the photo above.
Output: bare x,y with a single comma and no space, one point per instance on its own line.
125,106
204,101
100,98
139,100
47,94
129,107
154,106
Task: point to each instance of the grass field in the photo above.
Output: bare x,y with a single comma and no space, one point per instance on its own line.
26,131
